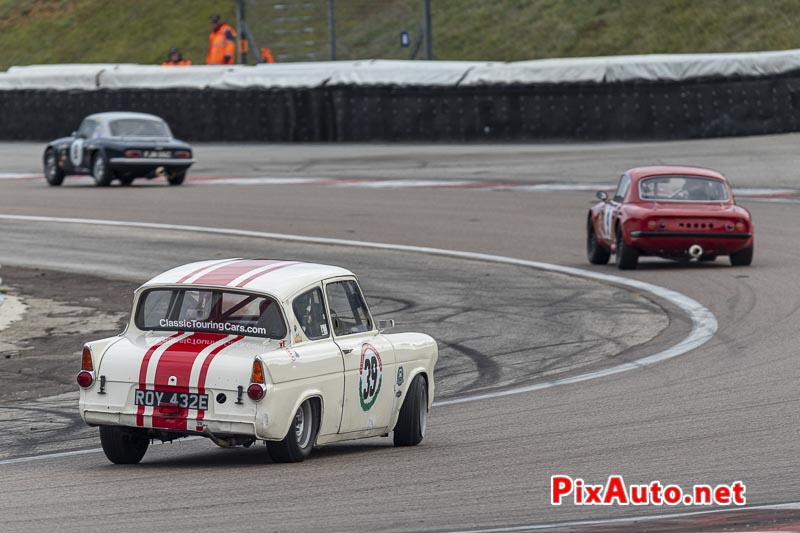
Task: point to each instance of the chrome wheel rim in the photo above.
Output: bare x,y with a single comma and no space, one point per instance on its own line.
99,168
302,425
50,163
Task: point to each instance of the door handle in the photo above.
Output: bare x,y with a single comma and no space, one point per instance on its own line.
347,351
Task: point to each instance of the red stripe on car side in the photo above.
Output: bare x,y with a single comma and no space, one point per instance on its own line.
215,266
228,273
201,380
264,273
177,361
143,373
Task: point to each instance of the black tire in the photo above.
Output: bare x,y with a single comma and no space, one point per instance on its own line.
122,445
100,172
597,254
742,258
627,256
176,177
298,442
126,181
413,418
53,174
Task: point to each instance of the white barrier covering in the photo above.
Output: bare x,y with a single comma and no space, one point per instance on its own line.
409,73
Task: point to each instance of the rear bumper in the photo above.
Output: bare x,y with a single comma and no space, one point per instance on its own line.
669,243
147,161
690,235
179,425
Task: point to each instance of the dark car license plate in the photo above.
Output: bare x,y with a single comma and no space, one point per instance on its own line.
184,400
157,153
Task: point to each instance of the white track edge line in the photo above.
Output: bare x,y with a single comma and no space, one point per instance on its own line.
704,323
57,455
793,506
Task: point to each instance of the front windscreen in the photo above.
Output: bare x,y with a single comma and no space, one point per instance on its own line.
210,310
134,127
683,189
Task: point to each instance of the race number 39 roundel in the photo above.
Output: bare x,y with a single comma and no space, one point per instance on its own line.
370,376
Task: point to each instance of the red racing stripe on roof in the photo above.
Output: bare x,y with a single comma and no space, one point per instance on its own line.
227,273
206,267
264,273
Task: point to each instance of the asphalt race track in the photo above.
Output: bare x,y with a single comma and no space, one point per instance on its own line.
725,411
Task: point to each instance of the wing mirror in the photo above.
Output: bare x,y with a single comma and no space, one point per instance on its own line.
385,324
602,196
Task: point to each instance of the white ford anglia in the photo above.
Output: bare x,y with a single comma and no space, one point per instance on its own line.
240,350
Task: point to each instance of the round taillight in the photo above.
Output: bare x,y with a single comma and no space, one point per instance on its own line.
255,392
651,225
85,379
740,226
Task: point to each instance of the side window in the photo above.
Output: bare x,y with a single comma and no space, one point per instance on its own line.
622,188
348,311
309,309
87,128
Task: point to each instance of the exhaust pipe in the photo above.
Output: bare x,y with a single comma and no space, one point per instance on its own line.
230,442
695,251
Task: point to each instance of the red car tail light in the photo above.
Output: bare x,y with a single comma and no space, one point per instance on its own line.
651,225
255,392
257,386
85,379
740,227
133,153
183,154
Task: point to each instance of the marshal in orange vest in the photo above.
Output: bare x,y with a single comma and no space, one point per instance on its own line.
221,43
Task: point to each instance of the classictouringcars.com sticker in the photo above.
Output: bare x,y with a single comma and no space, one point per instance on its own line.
370,376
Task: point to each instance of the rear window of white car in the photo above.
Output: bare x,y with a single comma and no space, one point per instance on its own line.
209,310
134,127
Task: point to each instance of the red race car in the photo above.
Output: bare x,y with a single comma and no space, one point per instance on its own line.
683,213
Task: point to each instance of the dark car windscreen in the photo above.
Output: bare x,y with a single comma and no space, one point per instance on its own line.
683,189
210,310
135,127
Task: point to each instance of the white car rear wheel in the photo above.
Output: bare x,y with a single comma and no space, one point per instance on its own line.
299,440
122,445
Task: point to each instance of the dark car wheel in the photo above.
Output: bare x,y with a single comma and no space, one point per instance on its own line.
413,419
122,445
176,177
299,441
54,175
100,171
594,251
627,256
742,257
